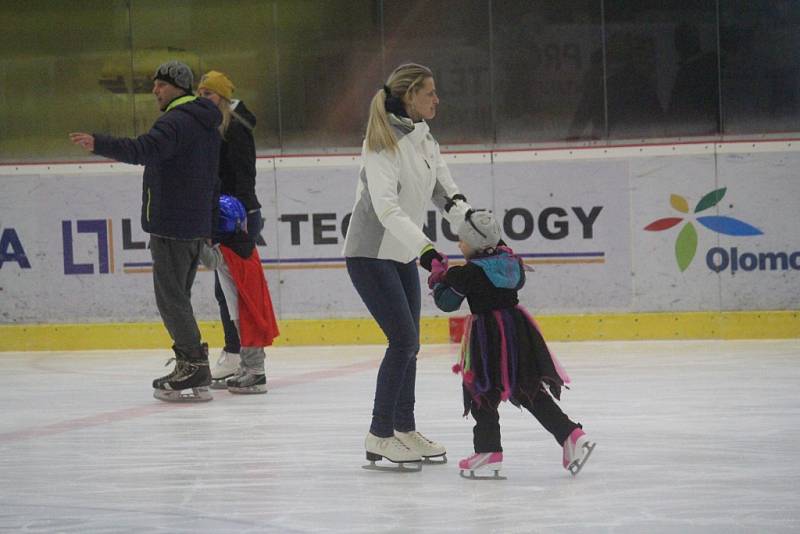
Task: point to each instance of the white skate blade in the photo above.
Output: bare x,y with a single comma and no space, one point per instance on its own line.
473,476
219,383
576,466
398,467
224,377
250,390
435,460
199,394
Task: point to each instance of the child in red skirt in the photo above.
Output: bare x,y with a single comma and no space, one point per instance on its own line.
241,276
503,354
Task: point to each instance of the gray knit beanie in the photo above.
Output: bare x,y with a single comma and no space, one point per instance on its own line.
177,73
479,230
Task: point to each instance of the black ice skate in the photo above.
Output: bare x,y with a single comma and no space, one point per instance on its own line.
248,381
191,373
393,450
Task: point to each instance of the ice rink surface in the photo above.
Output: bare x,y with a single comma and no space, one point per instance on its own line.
694,436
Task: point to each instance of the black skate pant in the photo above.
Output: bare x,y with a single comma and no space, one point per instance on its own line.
486,433
174,269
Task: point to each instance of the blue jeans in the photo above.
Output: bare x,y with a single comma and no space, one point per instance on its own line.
232,344
392,294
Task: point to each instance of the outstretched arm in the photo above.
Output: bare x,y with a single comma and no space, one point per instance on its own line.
448,287
83,140
446,298
157,144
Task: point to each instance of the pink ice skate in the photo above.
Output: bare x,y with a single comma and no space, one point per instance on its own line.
492,461
577,449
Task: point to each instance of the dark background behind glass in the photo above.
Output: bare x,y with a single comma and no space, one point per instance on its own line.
508,72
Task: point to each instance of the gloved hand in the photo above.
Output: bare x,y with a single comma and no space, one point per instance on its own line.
427,257
456,209
438,271
452,201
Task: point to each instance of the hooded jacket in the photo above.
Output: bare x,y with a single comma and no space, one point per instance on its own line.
489,282
393,193
237,161
180,155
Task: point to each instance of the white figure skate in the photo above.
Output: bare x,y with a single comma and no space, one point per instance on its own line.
393,450
577,449
482,461
226,367
423,446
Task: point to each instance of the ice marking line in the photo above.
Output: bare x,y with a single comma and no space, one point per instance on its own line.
136,412
87,422
313,376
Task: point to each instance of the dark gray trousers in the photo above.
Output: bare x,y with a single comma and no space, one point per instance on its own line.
174,268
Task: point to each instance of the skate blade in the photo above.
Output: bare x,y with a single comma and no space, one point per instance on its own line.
576,466
473,476
219,383
252,390
398,467
199,394
435,460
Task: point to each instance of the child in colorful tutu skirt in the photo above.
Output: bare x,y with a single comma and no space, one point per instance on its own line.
503,354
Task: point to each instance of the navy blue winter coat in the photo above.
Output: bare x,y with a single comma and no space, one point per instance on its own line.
181,157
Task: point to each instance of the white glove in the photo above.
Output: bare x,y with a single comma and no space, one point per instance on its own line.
456,212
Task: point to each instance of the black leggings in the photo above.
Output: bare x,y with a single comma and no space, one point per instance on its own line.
487,419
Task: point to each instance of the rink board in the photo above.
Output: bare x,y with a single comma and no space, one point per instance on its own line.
73,250
364,331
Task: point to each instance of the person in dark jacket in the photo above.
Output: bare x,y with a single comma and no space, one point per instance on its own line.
237,172
180,155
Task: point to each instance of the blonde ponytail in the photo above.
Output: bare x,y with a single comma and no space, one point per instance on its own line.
379,132
404,80
225,108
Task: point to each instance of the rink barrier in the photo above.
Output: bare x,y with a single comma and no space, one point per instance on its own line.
363,331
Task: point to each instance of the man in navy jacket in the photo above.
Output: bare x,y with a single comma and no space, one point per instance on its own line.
180,155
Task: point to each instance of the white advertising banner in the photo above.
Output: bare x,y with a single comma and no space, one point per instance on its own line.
720,232
570,221
617,230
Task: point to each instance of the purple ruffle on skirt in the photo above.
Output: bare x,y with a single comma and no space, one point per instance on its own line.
484,368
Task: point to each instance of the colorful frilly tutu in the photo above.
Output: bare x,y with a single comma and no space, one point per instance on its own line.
504,350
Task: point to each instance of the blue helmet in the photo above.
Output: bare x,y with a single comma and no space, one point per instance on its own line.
232,215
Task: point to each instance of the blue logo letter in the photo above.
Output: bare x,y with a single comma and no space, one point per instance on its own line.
9,240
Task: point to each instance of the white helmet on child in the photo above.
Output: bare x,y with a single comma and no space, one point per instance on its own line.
479,230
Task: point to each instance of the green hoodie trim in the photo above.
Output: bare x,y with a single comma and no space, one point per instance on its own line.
147,212
180,100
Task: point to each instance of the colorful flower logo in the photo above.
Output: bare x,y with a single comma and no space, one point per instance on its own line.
686,244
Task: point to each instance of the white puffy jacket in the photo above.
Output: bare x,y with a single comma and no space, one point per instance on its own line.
393,194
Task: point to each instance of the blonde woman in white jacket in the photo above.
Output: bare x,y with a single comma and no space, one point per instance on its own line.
402,171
